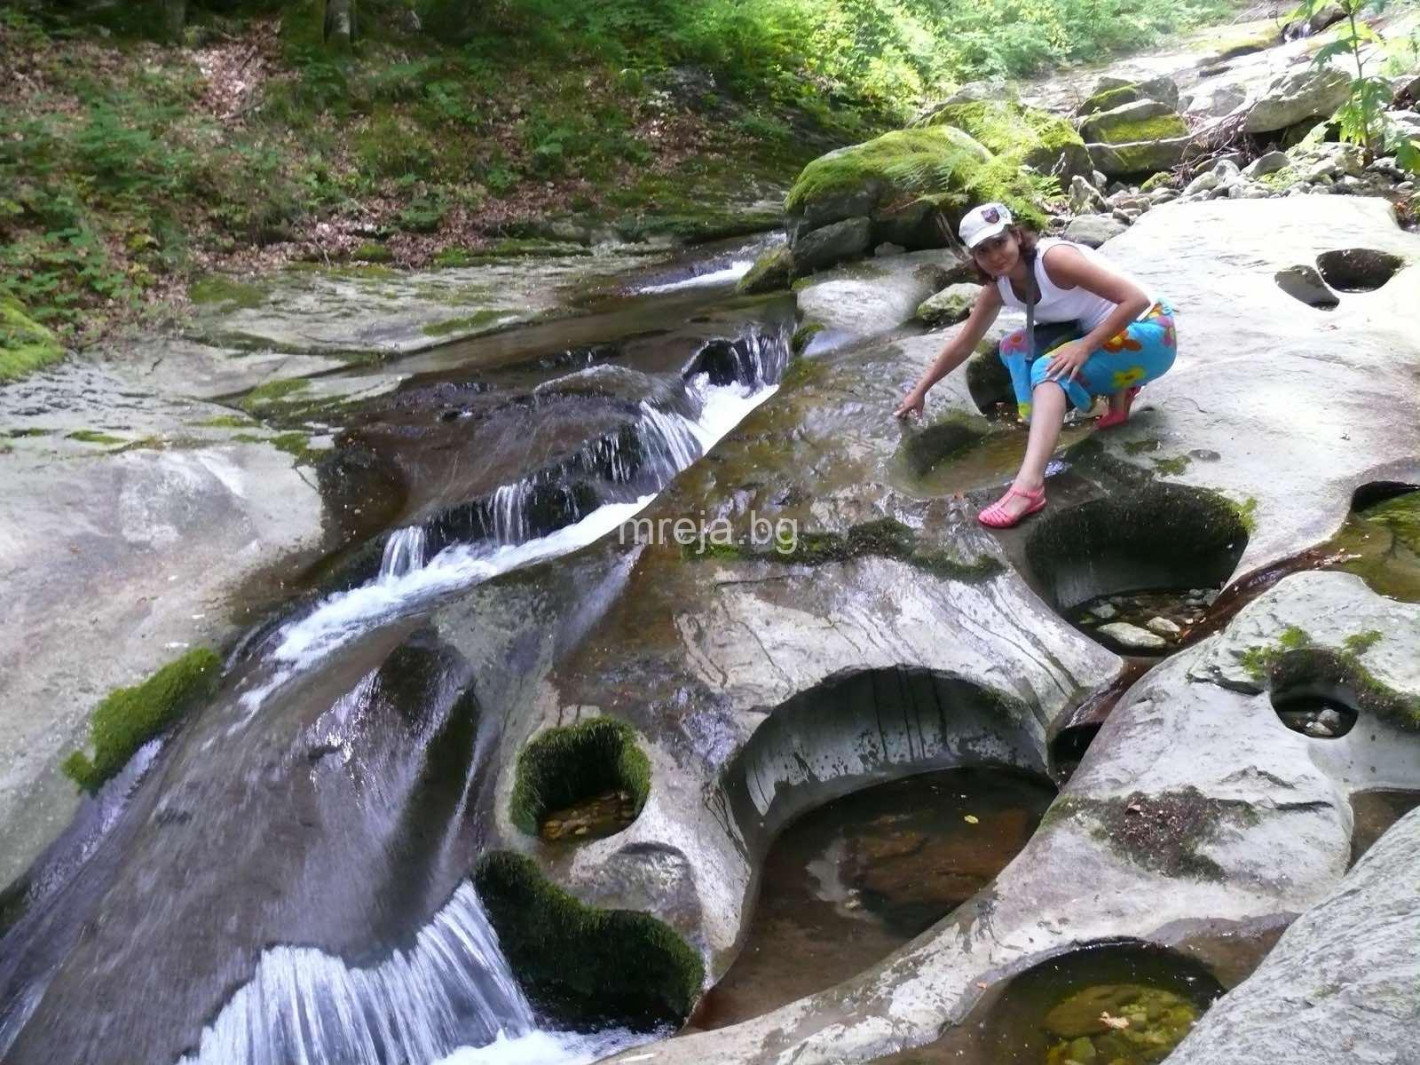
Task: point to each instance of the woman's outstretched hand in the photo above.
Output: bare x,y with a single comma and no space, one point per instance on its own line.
911,405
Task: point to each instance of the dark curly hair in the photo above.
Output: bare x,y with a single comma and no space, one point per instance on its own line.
1026,238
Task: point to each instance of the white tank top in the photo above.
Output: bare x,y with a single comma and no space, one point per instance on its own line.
1076,304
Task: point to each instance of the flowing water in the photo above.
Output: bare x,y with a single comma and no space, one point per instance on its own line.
283,879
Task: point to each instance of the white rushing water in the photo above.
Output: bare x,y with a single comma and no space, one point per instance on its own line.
726,275
402,588
453,986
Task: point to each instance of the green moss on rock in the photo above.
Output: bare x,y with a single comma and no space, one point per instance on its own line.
582,964
1109,99
564,766
1296,661
130,717
94,436
1401,516
772,270
265,399
1021,134
227,291
25,345
469,323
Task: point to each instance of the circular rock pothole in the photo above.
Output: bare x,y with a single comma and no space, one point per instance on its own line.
581,782
1146,563
1316,692
1121,1003
1358,269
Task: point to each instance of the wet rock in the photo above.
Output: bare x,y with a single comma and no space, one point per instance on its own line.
1094,229
1132,637
1163,627
1305,283
949,306
1296,96
871,298
773,270
1104,611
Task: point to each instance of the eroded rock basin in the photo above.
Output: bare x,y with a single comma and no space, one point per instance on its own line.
855,879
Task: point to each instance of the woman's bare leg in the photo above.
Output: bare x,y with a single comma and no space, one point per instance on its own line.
1047,416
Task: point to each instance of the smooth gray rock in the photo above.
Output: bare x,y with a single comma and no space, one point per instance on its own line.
1163,626
871,298
1268,163
831,244
1133,637
1094,229
1297,96
1342,985
1084,197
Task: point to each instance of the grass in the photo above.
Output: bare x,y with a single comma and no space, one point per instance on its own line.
127,718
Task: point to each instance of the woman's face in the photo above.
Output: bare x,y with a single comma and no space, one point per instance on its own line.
996,255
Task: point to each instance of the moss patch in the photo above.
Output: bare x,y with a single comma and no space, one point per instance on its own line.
882,538
264,400
1162,832
93,436
1126,129
25,345
232,294
564,766
1294,661
581,964
1401,516
1022,134
225,421
1171,467
803,335
372,252
1109,99
904,166
130,717
468,323
772,270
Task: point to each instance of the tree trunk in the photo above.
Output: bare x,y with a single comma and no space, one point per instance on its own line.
339,24
174,18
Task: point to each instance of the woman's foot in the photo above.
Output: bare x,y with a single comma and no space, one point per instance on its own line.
1118,413
1016,504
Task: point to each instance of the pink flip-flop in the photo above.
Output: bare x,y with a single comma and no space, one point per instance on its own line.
995,516
1110,419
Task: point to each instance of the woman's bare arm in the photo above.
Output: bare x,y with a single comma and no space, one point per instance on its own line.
983,312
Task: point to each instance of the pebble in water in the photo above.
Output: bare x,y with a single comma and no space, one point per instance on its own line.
601,815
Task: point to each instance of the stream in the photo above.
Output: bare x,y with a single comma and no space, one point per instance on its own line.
284,877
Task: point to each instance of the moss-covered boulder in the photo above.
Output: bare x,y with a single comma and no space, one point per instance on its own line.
581,964
25,345
929,176
130,717
1111,93
565,766
1029,136
1138,158
1143,120
949,306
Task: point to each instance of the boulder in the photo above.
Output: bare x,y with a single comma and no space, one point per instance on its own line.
1109,94
949,306
1032,137
1216,100
1140,157
1094,229
1266,164
832,243
1144,120
1133,637
910,182
1297,96
1084,197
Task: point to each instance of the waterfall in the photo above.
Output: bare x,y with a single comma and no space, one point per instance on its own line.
404,552
452,989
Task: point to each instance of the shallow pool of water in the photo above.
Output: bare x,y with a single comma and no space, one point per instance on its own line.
857,878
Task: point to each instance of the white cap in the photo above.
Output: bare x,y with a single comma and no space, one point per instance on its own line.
983,223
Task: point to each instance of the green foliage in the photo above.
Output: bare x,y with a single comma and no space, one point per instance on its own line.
1362,117
564,766
129,717
582,964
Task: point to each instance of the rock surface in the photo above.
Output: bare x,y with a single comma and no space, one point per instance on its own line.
1343,983
949,306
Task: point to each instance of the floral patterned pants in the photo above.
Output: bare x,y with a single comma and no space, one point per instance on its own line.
1140,354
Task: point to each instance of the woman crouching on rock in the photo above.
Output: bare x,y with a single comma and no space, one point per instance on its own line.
1128,340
